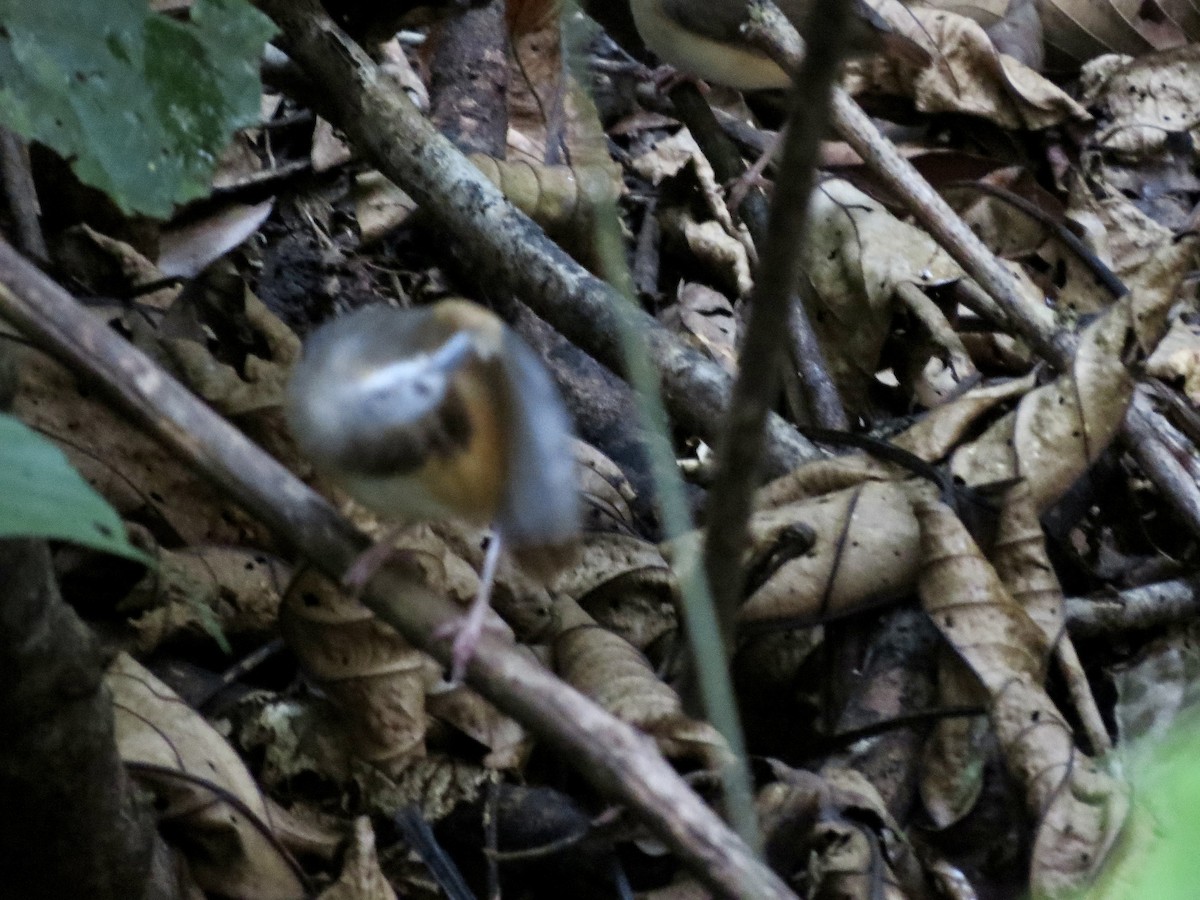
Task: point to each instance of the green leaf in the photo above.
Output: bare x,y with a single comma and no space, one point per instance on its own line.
41,495
139,103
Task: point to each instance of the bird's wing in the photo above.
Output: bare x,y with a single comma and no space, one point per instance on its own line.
541,504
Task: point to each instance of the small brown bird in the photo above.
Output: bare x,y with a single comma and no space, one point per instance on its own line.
703,37
441,412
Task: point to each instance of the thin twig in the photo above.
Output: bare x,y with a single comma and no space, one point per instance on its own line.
755,390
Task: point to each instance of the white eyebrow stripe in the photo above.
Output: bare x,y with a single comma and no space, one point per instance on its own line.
447,358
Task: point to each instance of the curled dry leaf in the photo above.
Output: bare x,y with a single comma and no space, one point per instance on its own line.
1122,235
361,877
614,674
258,383
194,592
1079,808
1023,565
857,256
371,674
715,240
606,491
866,547
831,830
965,74
187,765
941,429
507,742
1058,430
624,583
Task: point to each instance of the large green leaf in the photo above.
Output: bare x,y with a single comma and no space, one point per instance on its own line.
41,495
139,103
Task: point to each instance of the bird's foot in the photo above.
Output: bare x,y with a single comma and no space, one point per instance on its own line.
368,563
667,78
468,629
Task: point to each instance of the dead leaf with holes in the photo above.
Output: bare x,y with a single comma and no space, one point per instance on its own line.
1143,103
965,73
833,830
230,849
1079,808
222,592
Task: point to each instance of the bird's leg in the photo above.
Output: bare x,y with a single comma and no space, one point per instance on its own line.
467,629
368,563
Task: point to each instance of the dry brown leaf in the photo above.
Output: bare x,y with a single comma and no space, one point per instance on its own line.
229,850
1122,235
371,674
865,547
608,669
361,877
941,429
1143,102
606,491
1023,565
1080,809
822,477
953,758
833,830
1153,689
857,255
507,742
1176,360
186,250
965,73
562,199
1058,430
865,552
720,245
708,321
133,471
259,383
194,591
619,578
